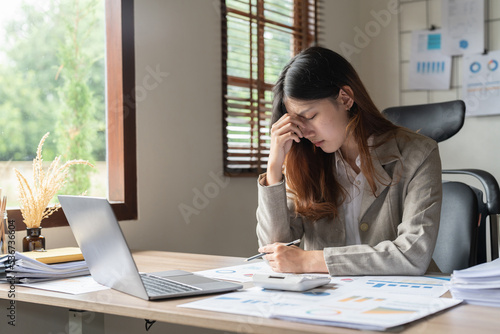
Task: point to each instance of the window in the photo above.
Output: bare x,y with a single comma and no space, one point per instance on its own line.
116,124
258,38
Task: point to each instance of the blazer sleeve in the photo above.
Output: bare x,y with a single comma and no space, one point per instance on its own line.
276,219
411,251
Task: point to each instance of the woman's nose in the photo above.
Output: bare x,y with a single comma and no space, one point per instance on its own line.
306,130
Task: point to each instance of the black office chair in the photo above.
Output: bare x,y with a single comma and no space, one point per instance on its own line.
462,233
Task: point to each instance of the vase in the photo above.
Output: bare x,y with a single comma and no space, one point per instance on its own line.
34,240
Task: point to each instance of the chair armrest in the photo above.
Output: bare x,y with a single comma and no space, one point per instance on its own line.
490,184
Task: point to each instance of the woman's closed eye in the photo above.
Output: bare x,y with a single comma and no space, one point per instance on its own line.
311,117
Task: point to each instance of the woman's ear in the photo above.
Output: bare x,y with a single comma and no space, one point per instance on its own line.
346,96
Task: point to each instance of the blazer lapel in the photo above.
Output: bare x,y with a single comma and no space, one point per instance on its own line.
382,155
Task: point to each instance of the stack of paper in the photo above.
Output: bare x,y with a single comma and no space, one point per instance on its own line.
478,285
19,268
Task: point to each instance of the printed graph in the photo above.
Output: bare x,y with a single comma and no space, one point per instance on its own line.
252,301
402,284
430,67
360,299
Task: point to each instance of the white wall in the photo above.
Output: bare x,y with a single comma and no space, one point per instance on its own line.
180,137
365,32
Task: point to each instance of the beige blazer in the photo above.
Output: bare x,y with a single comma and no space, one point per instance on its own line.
398,224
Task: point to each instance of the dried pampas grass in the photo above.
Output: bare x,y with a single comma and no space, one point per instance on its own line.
34,200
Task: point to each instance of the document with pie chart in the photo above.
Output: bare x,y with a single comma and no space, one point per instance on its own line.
481,84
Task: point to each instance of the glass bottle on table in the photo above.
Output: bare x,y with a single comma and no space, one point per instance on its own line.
34,240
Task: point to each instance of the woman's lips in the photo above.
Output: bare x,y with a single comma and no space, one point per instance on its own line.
318,143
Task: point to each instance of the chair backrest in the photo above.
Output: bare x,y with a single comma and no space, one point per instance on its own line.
457,237
438,121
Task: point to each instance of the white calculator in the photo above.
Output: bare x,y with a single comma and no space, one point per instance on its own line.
289,282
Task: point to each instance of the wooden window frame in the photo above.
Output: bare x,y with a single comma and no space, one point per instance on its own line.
121,117
305,34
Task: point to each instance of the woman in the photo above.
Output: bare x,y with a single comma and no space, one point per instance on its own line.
363,194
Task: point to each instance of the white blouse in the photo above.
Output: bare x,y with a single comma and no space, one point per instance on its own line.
354,185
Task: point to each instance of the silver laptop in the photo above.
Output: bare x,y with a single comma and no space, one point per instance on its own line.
110,262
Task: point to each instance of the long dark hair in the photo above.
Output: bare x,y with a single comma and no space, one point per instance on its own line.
318,73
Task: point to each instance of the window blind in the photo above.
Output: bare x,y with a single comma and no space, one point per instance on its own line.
258,38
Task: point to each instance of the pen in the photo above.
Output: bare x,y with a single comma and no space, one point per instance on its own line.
295,242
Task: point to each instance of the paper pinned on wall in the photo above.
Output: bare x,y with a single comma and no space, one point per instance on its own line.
463,26
481,84
429,68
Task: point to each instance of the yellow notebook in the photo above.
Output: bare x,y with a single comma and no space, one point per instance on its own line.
56,255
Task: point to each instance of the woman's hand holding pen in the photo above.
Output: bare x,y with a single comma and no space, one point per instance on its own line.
283,258
292,259
283,133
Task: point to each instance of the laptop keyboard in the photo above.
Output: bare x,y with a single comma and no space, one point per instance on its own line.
158,286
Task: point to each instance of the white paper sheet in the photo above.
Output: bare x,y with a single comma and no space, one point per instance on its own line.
463,26
413,285
241,273
74,286
408,285
352,308
484,272
429,68
258,302
481,84
369,311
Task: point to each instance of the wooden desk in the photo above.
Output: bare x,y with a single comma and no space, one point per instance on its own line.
461,319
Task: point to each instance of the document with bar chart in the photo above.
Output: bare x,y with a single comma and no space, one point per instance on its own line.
429,68
418,285
348,306
367,310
